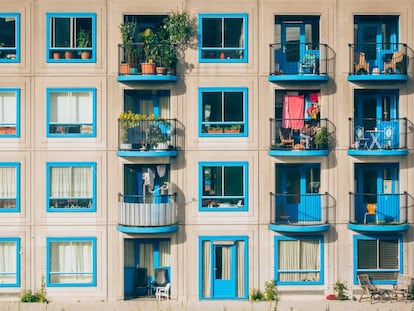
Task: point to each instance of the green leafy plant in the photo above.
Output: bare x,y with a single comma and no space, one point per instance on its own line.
127,31
39,296
270,291
84,39
180,29
321,136
256,295
340,288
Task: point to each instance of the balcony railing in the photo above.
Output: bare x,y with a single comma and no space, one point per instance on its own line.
147,211
378,59
298,58
299,209
147,135
285,134
378,134
131,58
388,208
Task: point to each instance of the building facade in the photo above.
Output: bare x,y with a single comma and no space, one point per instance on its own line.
279,148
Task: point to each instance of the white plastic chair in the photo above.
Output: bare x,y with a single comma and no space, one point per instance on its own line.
163,292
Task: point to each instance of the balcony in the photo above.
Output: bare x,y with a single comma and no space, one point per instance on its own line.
378,62
376,137
298,62
132,69
299,212
147,214
287,141
147,138
388,212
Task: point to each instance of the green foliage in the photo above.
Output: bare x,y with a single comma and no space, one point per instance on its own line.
180,29
256,295
127,32
270,292
39,296
84,39
340,288
321,136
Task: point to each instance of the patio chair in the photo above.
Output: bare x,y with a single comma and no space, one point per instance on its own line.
360,64
401,290
286,137
368,289
141,279
371,211
160,279
163,292
398,61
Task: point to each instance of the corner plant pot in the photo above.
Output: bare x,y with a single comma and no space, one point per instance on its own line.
160,70
148,68
85,54
68,54
124,69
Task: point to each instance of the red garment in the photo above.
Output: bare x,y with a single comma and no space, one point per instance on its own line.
314,97
293,111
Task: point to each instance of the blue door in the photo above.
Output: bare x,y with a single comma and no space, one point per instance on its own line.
293,47
224,270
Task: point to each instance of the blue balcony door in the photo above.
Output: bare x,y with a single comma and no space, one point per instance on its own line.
299,186
378,184
377,38
377,113
224,266
293,47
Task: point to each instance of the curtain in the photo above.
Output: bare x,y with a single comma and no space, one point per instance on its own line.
129,253
164,102
226,262
8,262
240,245
146,107
288,260
71,262
71,107
293,111
71,182
165,253
310,259
7,182
8,107
206,278
146,257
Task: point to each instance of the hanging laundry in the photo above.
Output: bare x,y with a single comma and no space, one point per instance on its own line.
293,112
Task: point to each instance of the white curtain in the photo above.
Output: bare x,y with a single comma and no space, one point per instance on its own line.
7,182
129,253
8,107
71,182
296,256
71,107
164,103
146,107
8,262
206,269
71,262
240,268
226,263
146,257
165,253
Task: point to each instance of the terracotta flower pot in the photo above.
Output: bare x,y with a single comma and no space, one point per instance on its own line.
148,68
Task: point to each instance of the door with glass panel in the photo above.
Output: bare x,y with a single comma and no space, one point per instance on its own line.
224,284
293,46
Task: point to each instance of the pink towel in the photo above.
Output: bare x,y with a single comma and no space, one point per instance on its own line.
293,112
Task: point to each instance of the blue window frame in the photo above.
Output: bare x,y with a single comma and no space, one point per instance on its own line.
10,187
223,186
299,260
9,112
381,257
71,187
10,38
71,112
223,267
71,261
223,111
10,262
71,37
223,38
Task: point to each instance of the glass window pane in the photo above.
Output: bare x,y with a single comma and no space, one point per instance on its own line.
7,32
212,32
388,256
8,105
212,103
233,32
8,261
61,36
367,254
233,106
233,181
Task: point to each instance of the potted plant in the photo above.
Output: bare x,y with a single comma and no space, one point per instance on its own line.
127,120
321,138
340,288
149,46
127,36
214,129
235,128
84,40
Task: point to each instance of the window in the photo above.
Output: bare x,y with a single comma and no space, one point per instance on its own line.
223,267
71,112
9,262
223,38
9,38
379,257
71,37
71,261
299,260
10,187
71,187
223,111
224,186
9,113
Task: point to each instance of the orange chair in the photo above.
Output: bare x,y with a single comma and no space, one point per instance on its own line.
371,211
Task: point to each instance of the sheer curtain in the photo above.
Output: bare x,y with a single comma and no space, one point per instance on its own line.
71,182
310,259
8,108
71,107
165,253
8,262
226,262
129,253
164,102
71,262
7,182
240,268
146,257
206,269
